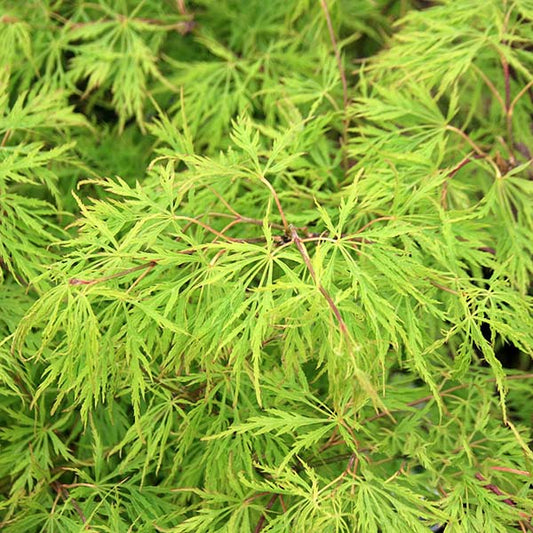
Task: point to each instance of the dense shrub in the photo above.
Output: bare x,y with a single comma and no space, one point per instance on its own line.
266,265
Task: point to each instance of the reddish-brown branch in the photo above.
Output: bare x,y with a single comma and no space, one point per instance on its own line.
262,518
5,138
519,95
510,110
414,403
282,503
278,203
443,287
227,227
77,281
342,74
307,260
63,493
461,164
180,4
183,26
462,134
340,66
495,489
508,114
511,470
507,81
446,392
368,224
205,226
467,159
246,220
491,87
507,84
8,19
143,275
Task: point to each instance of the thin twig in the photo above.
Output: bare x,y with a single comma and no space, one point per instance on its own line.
336,50
460,132
5,138
181,7
224,201
495,489
467,159
461,164
445,392
262,518
205,226
77,281
511,470
246,220
183,27
518,96
508,115
142,276
443,287
63,493
507,81
491,86
307,260
278,203
368,224
342,74
471,445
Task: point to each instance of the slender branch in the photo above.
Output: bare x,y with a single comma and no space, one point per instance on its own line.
282,503
142,276
180,4
342,73
471,445
332,460
183,26
307,260
495,489
460,132
453,172
379,219
9,267
507,82
336,50
491,86
443,287
77,281
224,201
73,485
414,403
246,220
8,19
278,203
518,96
508,114
445,392
309,235
205,226
467,159
282,240
227,227
5,138
63,493
262,518
511,470
255,496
